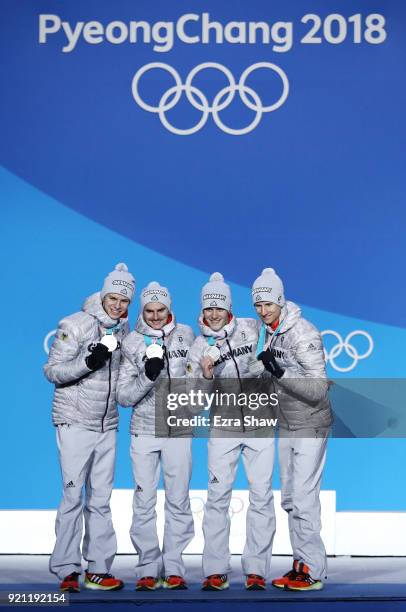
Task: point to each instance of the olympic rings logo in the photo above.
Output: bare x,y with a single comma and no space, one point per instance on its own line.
350,349
197,505
198,100
47,339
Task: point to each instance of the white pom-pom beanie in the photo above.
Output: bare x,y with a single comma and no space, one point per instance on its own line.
216,293
268,288
155,293
120,281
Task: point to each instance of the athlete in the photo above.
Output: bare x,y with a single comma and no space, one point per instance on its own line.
226,350
83,364
157,350
291,350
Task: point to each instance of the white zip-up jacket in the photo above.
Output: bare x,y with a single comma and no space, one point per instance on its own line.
134,388
303,389
237,342
82,396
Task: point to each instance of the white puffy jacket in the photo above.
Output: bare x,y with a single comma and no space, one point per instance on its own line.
81,395
134,389
237,342
303,389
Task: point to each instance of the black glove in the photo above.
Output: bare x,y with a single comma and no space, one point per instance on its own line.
98,357
270,364
153,367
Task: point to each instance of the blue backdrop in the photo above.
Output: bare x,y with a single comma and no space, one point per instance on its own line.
90,176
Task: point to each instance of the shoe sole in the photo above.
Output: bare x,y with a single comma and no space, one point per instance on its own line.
278,586
70,590
145,588
313,587
255,587
214,588
175,587
98,587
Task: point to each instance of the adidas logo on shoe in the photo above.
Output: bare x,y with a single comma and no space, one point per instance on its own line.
215,582
303,581
102,582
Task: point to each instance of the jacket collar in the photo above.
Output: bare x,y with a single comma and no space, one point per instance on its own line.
289,316
225,332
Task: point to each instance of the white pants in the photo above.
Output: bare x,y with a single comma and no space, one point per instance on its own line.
148,454
87,459
258,459
301,463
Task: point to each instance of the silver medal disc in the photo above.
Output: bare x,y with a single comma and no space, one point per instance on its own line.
213,352
154,350
110,341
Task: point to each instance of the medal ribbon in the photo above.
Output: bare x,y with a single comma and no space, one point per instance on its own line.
262,336
148,341
111,330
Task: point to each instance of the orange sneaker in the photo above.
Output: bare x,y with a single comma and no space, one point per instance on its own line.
148,583
303,581
70,584
215,582
253,582
280,583
102,582
174,583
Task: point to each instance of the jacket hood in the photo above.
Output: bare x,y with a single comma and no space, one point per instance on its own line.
290,315
224,332
143,328
93,306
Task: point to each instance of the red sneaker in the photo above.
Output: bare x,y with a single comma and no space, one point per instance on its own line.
215,582
70,584
280,583
174,583
102,582
147,583
303,581
253,582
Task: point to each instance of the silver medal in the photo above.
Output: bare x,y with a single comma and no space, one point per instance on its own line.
110,341
213,352
154,350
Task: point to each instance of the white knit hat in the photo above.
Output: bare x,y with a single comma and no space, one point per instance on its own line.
216,293
154,292
120,281
268,288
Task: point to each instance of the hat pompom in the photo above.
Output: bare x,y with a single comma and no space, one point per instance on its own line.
217,276
121,267
268,271
153,285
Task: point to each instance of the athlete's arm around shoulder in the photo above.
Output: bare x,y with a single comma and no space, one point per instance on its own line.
249,326
187,334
